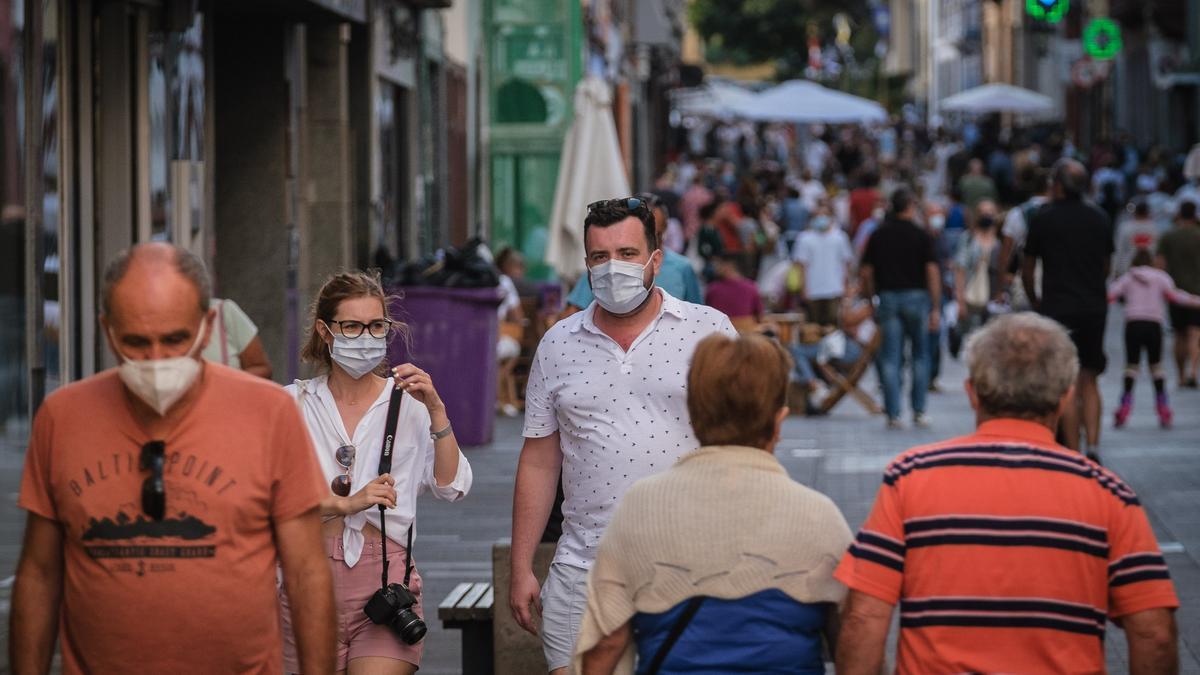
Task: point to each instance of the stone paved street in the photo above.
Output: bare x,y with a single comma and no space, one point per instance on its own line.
843,456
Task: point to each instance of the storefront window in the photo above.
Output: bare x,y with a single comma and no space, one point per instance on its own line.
156,98
52,217
175,95
392,208
13,365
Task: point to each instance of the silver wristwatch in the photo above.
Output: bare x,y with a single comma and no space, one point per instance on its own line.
439,435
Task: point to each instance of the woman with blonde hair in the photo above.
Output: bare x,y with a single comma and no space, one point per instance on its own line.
722,563
346,407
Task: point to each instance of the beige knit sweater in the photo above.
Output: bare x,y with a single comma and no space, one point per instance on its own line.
724,522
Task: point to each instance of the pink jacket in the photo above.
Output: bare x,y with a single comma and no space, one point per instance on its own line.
1144,288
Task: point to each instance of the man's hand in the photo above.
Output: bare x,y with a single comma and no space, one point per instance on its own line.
538,473
1029,282
37,596
523,597
1153,642
310,589
865,623
935,320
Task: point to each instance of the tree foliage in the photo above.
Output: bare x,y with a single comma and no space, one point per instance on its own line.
756,31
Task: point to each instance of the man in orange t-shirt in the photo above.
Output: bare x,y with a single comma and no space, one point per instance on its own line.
1006,551
160,495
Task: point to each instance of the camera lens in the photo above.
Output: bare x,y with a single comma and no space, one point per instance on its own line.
409,626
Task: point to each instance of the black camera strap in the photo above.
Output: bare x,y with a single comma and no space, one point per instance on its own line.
385,466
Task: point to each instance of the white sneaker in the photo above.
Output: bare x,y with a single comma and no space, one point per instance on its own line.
509,410
921,421
894,423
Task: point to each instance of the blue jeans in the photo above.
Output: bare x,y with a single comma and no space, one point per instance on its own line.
804,354
904,315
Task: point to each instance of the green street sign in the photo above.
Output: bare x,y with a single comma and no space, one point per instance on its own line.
1102,39
1050,11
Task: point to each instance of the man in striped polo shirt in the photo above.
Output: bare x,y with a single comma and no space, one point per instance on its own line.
1006,551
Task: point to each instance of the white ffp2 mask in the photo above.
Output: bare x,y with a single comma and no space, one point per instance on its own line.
160,383
619,286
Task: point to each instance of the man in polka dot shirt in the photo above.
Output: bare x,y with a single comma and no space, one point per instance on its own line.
606,404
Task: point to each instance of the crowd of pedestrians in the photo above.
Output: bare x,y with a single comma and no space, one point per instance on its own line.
944,232
232,525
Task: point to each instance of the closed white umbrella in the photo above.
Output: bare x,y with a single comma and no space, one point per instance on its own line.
591,168
805,102
991,98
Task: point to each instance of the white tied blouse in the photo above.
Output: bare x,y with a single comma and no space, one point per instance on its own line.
412,457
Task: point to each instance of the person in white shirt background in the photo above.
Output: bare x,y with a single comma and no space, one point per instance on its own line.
605,405
1012,237
345,409
825,254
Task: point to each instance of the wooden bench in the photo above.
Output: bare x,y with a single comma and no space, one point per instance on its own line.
469,608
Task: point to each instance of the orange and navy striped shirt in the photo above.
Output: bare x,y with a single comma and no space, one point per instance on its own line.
1006,553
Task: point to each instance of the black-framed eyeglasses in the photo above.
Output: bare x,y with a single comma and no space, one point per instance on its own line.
154,488
344,455
379,328
627,203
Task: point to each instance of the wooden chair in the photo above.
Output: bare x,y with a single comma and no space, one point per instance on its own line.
535,327
788,325
847,382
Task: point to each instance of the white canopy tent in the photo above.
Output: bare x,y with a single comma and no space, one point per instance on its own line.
993,98
591,168
805,102
713,99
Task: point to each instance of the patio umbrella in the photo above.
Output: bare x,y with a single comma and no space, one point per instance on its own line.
991,98
805,102
714,99
591,168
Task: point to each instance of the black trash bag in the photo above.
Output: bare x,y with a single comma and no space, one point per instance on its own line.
461,267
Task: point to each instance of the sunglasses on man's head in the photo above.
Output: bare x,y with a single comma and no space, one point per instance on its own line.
154,488
627,203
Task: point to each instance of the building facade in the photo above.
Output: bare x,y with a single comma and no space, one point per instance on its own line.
278,140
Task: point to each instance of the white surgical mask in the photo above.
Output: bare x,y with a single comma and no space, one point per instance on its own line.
619,286
823,223
937,221
160,383
878,215
358,356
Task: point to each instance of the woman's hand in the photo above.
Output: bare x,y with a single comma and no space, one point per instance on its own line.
379,492
418,384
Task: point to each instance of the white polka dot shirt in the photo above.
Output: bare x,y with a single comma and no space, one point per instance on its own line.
621,416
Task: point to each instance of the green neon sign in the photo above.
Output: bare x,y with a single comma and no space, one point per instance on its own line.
1102,39
1050,11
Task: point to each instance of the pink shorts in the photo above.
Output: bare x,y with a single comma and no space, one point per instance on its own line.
352,588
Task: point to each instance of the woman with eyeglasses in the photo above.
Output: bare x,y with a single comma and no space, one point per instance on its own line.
345,408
